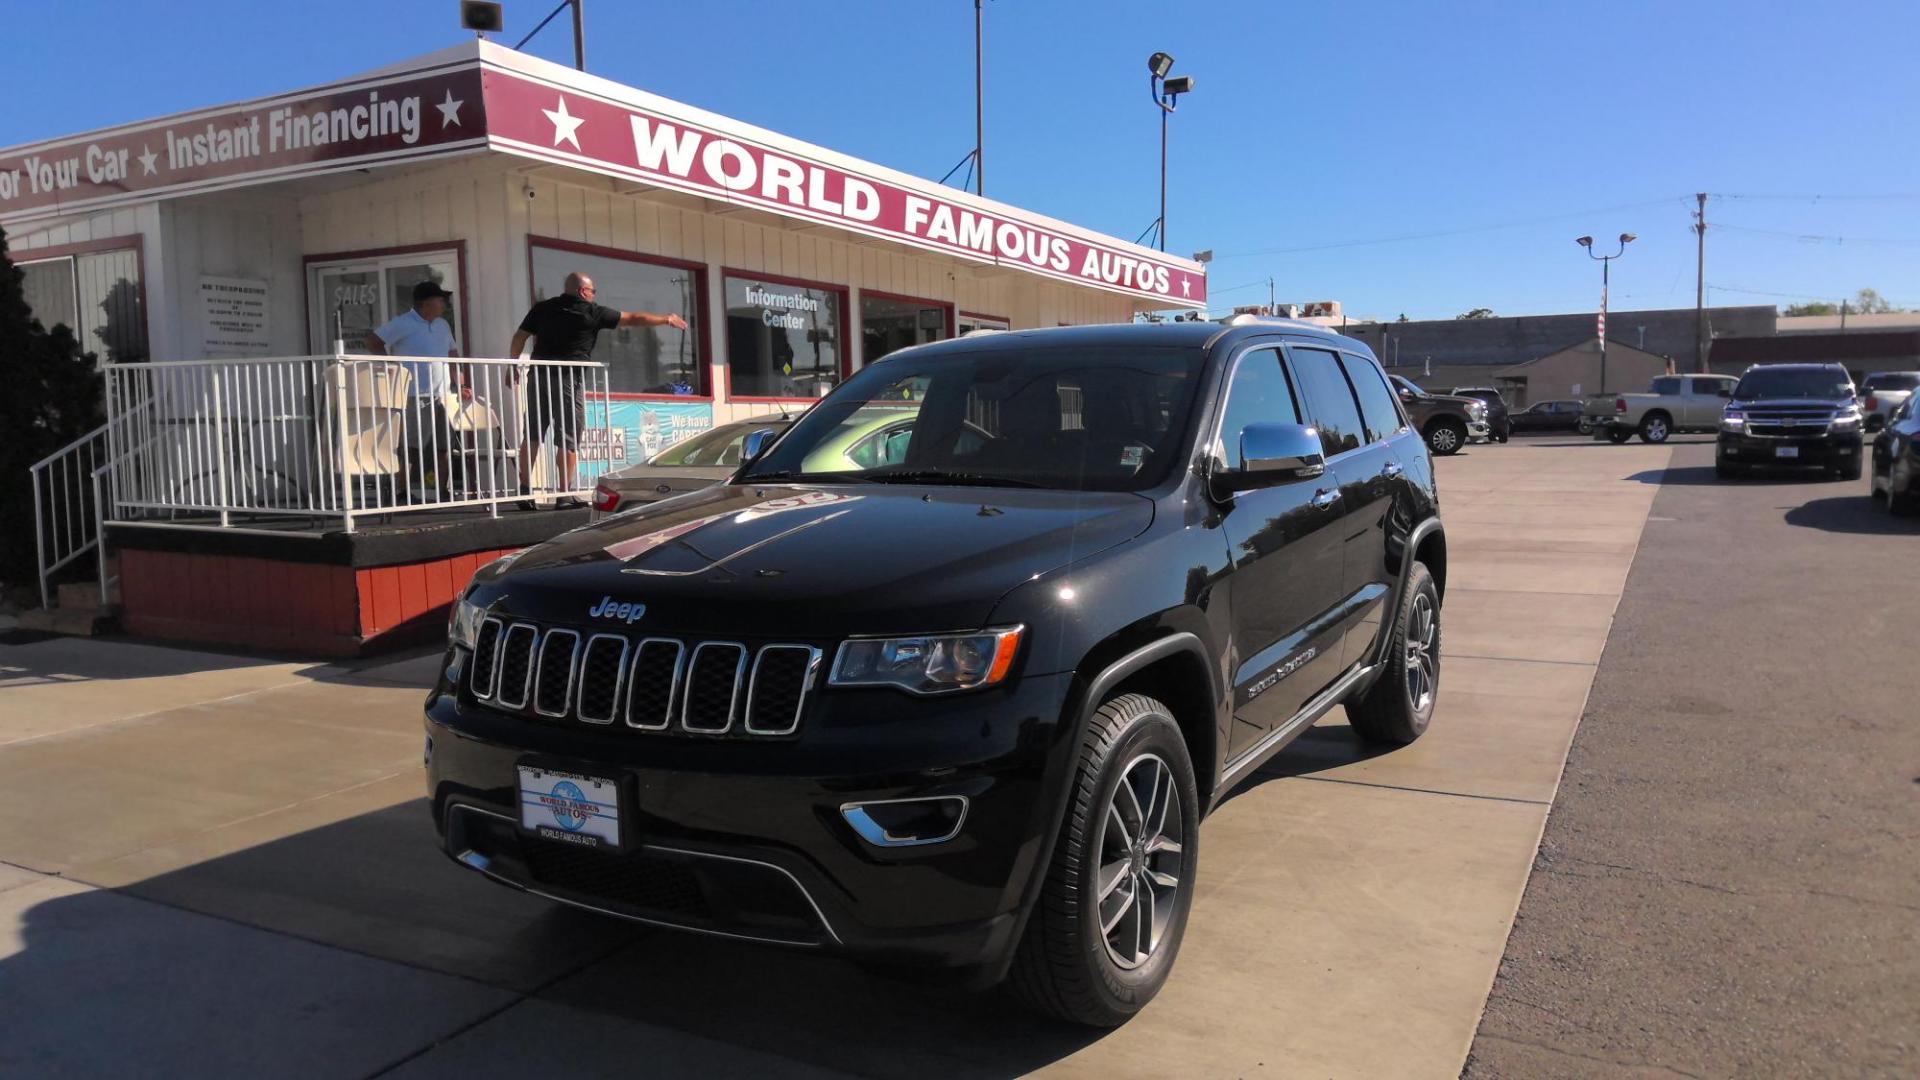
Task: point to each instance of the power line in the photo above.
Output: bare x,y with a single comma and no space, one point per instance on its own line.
1822,198
1817,238
1794,296
1516,224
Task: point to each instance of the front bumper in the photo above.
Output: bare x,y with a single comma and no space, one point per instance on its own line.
1823,451
1478,431
747,837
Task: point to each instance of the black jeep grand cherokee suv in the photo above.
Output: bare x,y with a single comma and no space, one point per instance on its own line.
959,701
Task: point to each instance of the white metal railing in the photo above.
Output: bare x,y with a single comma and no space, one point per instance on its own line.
221,443
67,506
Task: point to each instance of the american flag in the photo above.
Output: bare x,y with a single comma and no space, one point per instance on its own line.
1601,330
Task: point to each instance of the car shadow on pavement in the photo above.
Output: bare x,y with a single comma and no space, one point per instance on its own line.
1705,476
348,947
1855,514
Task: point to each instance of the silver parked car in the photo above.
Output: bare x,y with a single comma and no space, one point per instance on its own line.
688,465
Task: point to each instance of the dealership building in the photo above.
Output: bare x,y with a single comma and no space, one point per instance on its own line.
290,226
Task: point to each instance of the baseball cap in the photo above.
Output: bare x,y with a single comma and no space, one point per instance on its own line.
428,290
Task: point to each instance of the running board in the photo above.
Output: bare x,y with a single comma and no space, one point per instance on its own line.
1279,737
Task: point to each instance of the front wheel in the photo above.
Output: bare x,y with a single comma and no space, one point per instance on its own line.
1850,470
1726,470
1107,926
1446,437
1655,428
1396,709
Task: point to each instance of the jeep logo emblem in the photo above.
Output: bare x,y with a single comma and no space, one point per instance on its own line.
626,613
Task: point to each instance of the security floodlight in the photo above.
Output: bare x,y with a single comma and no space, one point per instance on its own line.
1179,84
482,18
1584,241
1627,238
1159,63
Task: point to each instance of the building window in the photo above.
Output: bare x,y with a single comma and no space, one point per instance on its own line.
639,359
97,296
784,338
973,320
888,323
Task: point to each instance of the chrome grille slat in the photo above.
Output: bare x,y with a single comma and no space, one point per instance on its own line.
650,690
597,693
486,657
553,690
710,683
774,703
515,666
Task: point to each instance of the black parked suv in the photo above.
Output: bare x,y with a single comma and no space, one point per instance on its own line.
962,712
1791,415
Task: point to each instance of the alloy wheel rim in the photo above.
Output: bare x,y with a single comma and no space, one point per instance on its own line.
1141,854
1422,669
1444,439
1658,430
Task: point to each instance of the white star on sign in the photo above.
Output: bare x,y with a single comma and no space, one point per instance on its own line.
1186,285
450,112
147,159
565,128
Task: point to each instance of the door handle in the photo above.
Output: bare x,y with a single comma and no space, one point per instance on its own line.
1325,497
1393,470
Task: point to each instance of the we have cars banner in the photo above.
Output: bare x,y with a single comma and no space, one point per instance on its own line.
557,123
346,125
622,432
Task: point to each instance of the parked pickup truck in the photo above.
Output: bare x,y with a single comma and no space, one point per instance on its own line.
1674,403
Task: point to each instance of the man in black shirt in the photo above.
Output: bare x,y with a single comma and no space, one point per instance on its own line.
565,327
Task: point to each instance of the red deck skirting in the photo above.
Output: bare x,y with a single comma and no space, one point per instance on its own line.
298,607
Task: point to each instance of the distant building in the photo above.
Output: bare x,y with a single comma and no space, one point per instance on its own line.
1575,372
1862,352
1517,339
1850,323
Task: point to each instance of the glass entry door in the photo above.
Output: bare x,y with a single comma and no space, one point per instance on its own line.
347,300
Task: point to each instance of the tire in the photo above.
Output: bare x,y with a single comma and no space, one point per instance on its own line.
1851,470
1396,709
1618,435
1726,470
1903,503
1066,965
1655,428
1446,437
1584,426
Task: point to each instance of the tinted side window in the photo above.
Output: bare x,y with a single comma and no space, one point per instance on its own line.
1667,385
1377,405
1258,395
1328,399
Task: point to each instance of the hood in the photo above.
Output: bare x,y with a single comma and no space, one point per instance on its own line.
812,562
1836,404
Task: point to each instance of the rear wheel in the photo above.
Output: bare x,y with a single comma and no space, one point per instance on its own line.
1396,709
1446,437
1103,936
1655,427
1617,435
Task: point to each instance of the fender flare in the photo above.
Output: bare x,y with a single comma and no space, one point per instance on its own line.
1420,532
1082,711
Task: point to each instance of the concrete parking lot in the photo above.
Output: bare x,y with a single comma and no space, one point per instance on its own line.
214,865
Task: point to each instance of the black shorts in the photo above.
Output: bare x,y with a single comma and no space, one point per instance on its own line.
554,399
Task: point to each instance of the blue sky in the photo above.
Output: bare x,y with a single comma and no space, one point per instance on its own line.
1314,129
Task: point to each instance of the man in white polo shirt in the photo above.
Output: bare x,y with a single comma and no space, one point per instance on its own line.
422,330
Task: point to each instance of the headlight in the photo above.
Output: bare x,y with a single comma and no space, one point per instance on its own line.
1846,421
929,664
1733,420
1478,412
463,622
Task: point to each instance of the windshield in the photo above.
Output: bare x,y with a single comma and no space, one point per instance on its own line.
1069,419
1831,384
1894,380
717,446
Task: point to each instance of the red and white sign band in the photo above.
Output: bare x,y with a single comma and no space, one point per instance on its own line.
542,120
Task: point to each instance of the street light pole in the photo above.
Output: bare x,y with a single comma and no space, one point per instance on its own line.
1166,94
979,108
1606,264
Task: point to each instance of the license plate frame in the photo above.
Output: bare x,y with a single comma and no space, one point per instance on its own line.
562,804
1786,452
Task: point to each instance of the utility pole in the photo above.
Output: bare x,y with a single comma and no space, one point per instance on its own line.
979,107
1700,288
1271,309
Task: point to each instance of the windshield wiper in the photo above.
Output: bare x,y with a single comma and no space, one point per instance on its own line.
947,476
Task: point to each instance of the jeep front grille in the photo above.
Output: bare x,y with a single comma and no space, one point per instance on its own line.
711,688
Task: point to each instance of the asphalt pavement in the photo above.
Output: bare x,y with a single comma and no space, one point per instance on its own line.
1729,882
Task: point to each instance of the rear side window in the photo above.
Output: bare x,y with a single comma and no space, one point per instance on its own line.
1258,395
1378,409
1891,381
1668,385
1328,399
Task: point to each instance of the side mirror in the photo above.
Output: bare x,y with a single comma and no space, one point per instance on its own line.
755,444
1271,455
